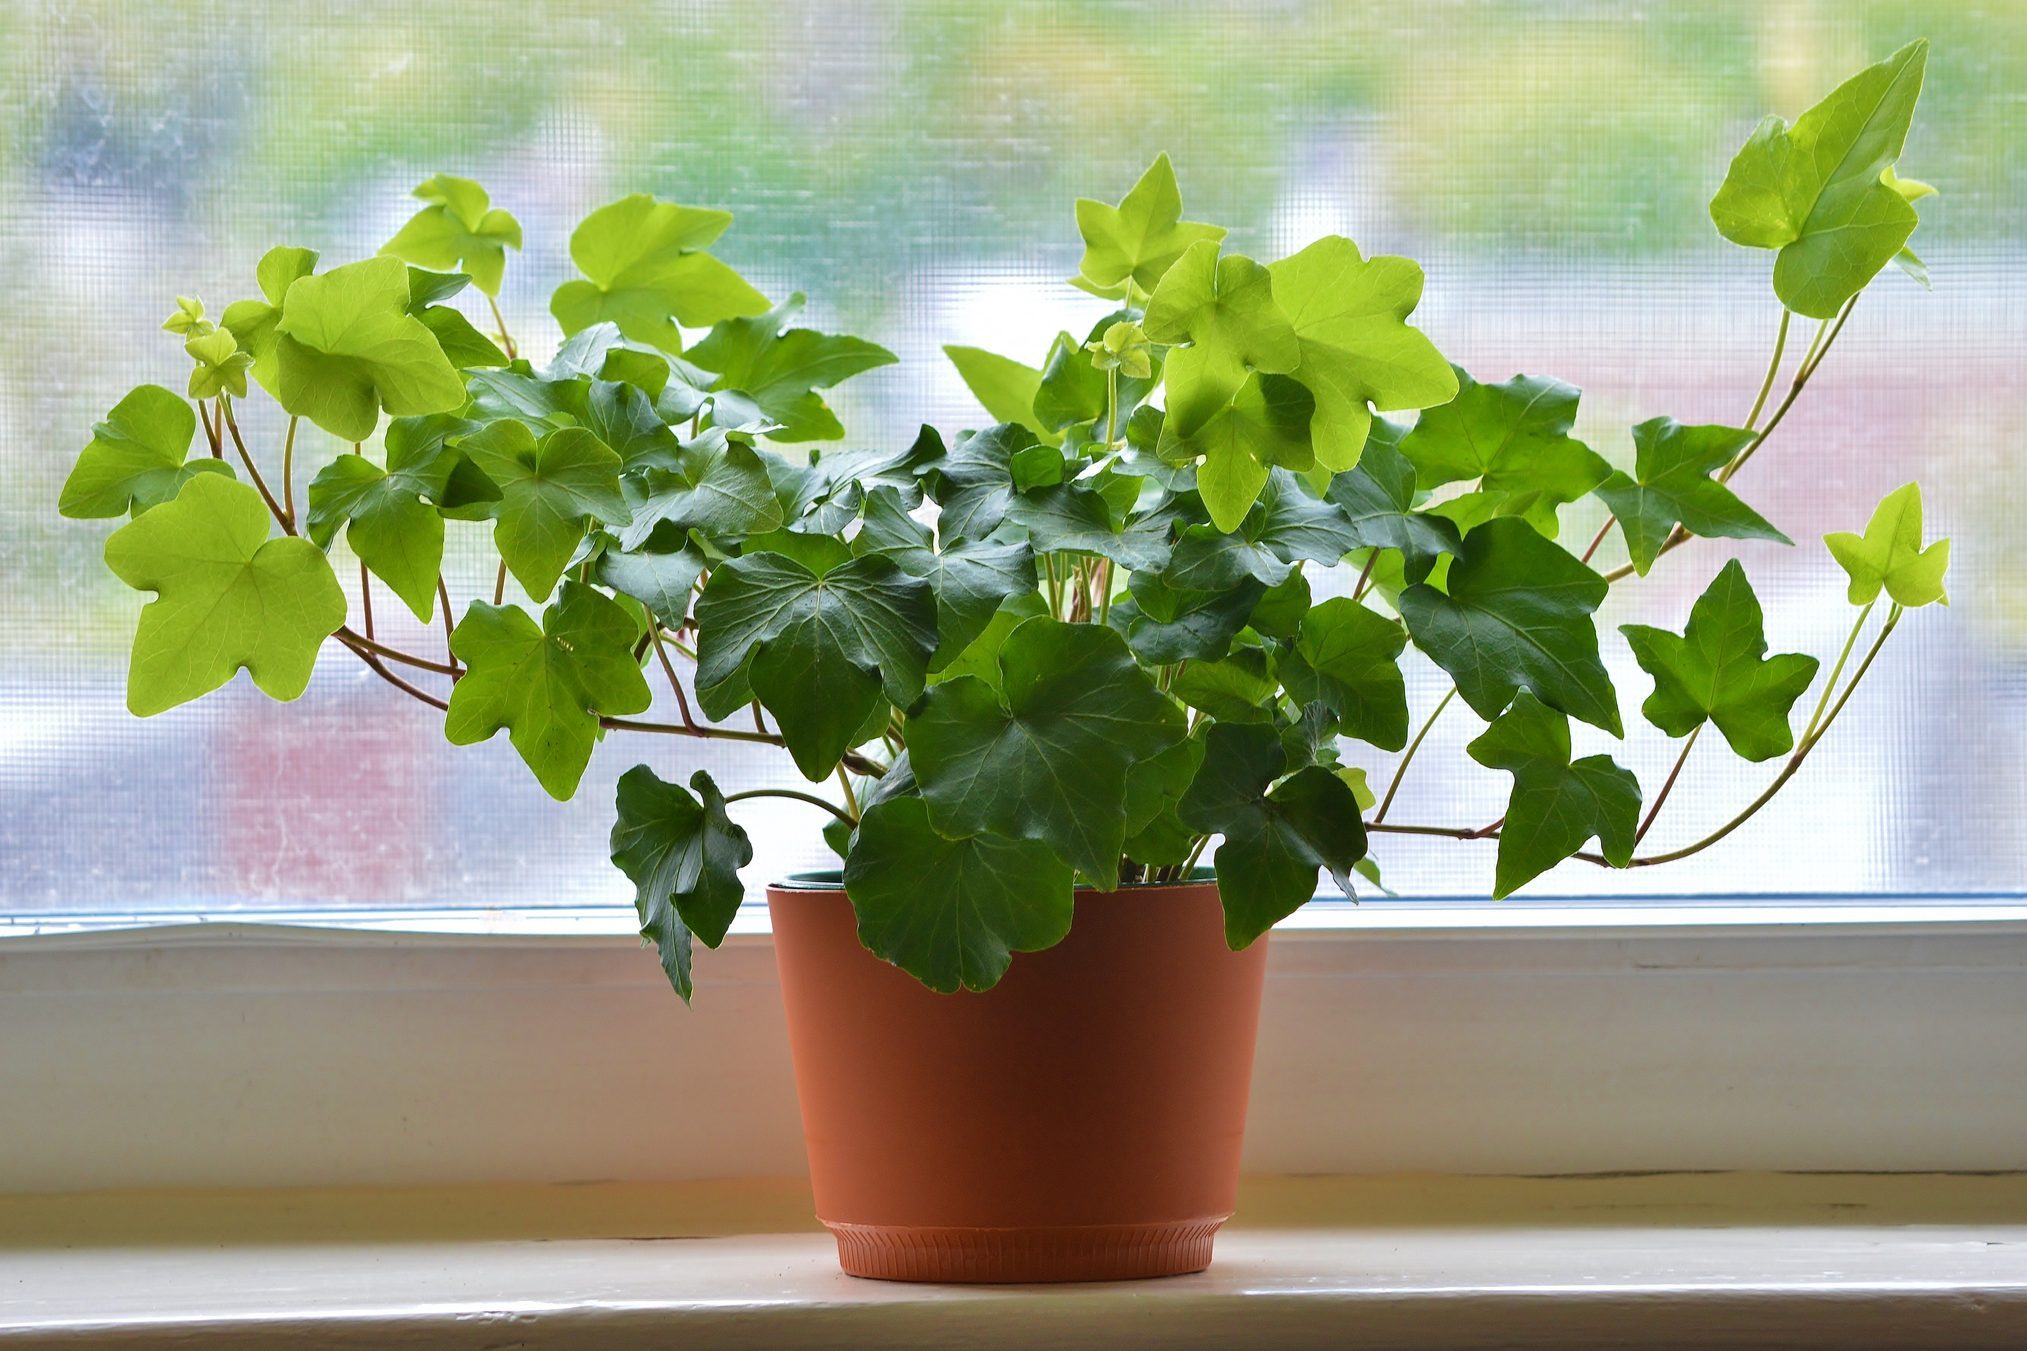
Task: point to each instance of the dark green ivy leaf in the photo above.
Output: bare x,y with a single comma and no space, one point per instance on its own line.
818,646
1556,805
1066,518
1517,616
1513,440
1163,625
1717,669
683,855
974,482
1378,497
949,912
720,485
1671,484
1044,755
971,577
1276,835
658,579
1348,659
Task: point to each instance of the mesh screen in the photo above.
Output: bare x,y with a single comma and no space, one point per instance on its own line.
912,167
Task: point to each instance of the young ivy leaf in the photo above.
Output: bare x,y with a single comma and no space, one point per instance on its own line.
1555,806
645,270
949,912
1513,438
778,371
1378,497
1044,756
1136,242
1671,485
1348,659
1517,617
546,685
1224,309
136,459
1003,387
346,347
1818,191
683,855
1265,424
819,640
390,516
220,366
1717,670
226,597
1358,352
254,322
1276,835
1073,392
550,490
1890,555
459,230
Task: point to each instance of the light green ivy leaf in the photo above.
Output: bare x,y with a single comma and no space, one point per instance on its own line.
137,458
1224,309
346,347
645,270
1890,554
1003,387
778,370
459,230
1137,241
1265,424
1513,440
226,597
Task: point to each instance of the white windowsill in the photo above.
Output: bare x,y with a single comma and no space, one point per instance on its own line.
1712,1260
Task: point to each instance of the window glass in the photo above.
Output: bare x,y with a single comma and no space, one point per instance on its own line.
912,166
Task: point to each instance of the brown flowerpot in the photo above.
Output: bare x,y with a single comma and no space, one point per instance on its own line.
1080,1121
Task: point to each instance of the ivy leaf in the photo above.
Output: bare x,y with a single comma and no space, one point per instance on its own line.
1517,617
1044,756
136,459
683,855
1003,387
346,347
970,577
779,370
1163,625
390,518
1357,350
818,645
1065,518
459,230
549,491
720,485
1555,806
658,578
1285,527
1818,191
254,323
645,270
1348,659
1514,439
1137,241
546,685
1378,499
226,597
221,367
974,482
1890,554
1265,424
1073,391
1671,484
1240,688
1717,670
949,912
620,415
1276,836
1224,308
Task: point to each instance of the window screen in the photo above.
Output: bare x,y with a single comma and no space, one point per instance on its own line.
912,165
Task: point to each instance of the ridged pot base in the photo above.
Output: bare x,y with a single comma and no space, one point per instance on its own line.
1088,1252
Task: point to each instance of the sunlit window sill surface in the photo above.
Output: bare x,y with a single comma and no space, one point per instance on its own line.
1681,1259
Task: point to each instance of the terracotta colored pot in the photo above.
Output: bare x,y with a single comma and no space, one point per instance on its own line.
1080,1121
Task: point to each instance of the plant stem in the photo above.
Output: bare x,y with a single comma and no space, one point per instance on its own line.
669,669
282,518
851,798
1111,408
289,472
366,597
349,636
379,668
443,601
1773,369
506,339
1190,863
790,793
1401,772
1055,588
1105,592
1599,538
500,583
1668,786
1830,685
1365,575
211,433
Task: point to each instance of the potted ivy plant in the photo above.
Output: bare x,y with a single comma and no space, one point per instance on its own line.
1030,672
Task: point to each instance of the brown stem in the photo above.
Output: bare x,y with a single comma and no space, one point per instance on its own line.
1599,538
282,518
500,583
669,669
1668,786
443,602
351,642
379,649
1365,575
366,597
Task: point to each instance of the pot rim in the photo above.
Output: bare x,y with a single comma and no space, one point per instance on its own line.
833,879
